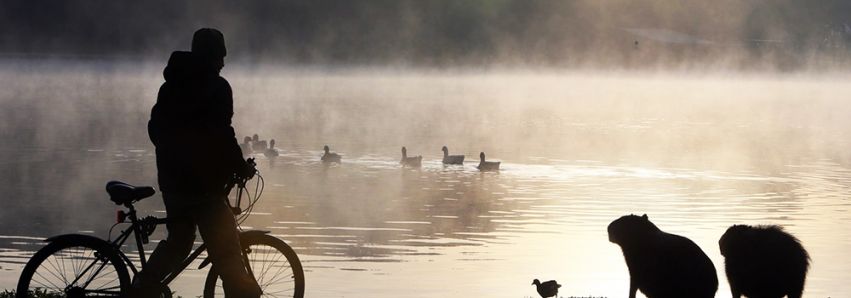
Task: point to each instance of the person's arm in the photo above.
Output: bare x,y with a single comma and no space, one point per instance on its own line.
155,124
225,134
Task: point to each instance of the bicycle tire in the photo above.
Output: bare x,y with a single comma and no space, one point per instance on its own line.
70,258
264,255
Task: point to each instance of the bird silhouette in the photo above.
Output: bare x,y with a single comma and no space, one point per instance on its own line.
451,159
329,156
413,161
246,146
547,288
487,165
257,144
271,152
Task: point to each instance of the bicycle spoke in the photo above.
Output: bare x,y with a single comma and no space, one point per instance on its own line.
275,281
60,268
56,264
51,283
269,262
69,267
276,277
264,268
270,265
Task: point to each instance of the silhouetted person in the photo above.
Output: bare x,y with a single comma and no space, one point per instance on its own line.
193,111
662,265
547,288
764,261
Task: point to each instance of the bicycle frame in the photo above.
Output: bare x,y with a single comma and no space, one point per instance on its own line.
137,229
97,256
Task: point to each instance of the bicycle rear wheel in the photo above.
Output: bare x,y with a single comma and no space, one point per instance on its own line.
74,266
274,264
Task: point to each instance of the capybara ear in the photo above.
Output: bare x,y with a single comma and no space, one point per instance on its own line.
644,216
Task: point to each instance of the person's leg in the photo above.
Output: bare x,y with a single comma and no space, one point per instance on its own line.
170,252
218,229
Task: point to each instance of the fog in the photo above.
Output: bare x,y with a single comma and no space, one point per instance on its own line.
701,114
758,34
105,105
578,149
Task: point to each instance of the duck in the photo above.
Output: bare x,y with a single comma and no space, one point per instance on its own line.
271,152
413,161
257,144
547,288
330,156
451,159
487,165
246,146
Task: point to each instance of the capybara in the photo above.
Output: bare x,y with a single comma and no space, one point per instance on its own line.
764,261
662,265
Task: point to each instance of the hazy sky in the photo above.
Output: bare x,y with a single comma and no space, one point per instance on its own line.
783,33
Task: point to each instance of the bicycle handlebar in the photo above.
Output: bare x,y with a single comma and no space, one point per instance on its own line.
239,182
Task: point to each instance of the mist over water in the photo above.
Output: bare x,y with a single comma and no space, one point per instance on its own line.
784,35
697,152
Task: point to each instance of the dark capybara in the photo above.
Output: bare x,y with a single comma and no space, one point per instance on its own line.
662,265
764,261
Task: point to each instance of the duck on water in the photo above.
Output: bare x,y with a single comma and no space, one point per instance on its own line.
330,157
451,159
413,161
487,165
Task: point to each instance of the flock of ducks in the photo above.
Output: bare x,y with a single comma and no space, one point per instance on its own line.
254,144
417,161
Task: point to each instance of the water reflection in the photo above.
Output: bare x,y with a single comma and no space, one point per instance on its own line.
367,225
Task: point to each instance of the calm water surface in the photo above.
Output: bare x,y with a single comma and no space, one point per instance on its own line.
697,154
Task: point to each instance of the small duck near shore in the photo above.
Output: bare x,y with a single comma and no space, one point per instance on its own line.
547,288
413,161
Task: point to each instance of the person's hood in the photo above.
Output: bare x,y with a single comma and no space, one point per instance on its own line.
181,66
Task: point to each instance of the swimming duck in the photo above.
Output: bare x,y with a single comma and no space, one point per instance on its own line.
257,144
246,146
547,288
451,159
271,152
487,165
414,161
330,156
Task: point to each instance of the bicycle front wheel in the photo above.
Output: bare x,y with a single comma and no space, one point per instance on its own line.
74,266
274,264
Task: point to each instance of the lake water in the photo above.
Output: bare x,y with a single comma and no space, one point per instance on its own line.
697,153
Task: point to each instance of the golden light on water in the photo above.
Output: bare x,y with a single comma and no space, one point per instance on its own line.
697,153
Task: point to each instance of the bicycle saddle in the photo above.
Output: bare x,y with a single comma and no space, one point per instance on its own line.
122,193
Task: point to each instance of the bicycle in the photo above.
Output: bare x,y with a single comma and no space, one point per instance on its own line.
75,265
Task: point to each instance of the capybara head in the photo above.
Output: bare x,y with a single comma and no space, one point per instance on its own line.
740,238
630,228
733,237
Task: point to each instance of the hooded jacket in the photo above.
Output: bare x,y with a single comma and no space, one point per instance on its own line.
190,126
